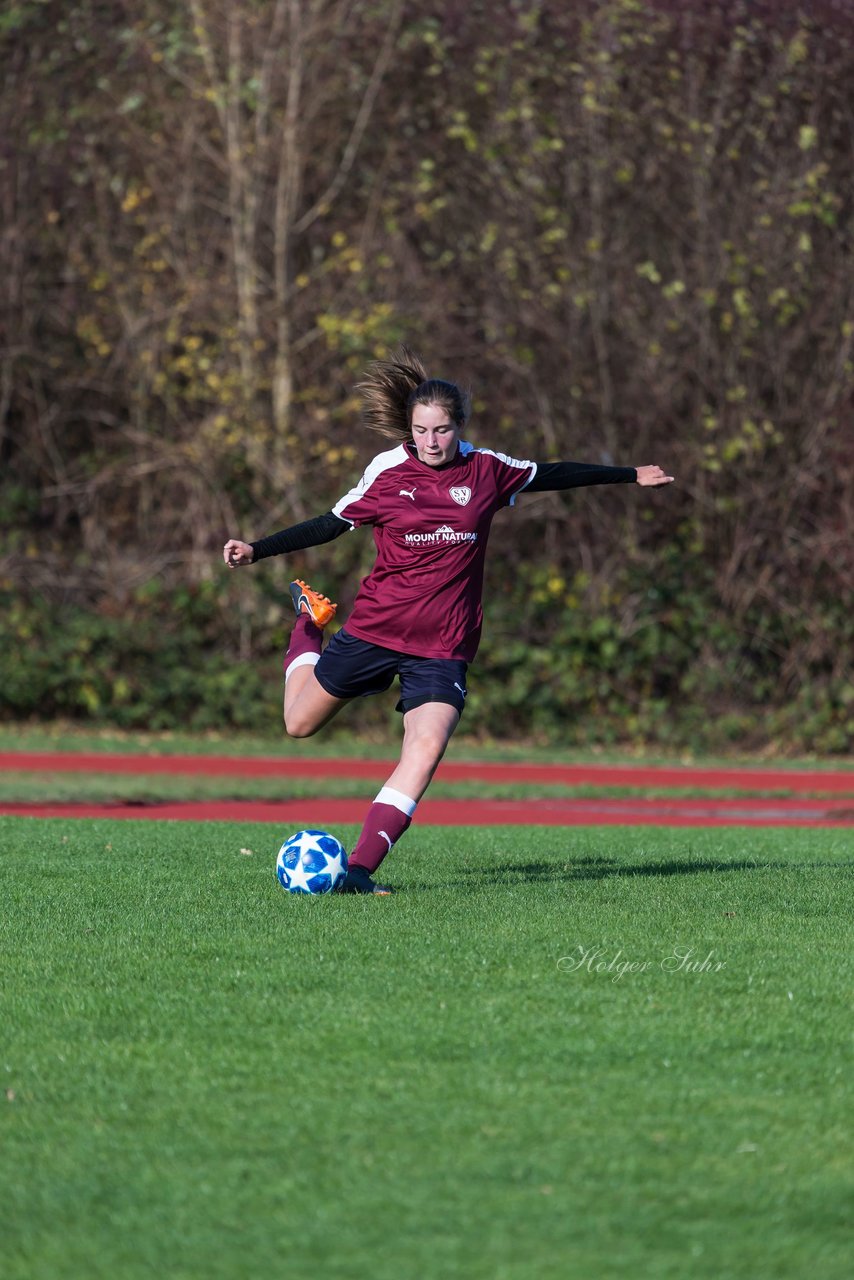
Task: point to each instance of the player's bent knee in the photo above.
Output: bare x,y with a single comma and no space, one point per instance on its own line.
300,731
300,726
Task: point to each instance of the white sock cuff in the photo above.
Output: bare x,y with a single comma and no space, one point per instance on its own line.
388,795
303,660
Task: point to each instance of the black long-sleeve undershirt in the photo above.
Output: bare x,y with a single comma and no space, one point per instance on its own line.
550,476
572,475
311,533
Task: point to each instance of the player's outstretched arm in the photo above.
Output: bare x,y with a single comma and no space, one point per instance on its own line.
574,475
236,553
652,475
311,533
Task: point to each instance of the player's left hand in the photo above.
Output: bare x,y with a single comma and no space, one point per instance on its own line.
652,476
235,553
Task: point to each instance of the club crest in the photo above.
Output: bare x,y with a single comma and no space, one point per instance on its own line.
461,494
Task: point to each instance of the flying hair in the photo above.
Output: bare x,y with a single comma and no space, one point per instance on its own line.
392,388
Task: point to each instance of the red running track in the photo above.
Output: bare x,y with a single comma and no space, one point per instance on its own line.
799,781
834,810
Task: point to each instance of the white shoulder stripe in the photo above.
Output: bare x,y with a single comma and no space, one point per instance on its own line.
522,464
382,462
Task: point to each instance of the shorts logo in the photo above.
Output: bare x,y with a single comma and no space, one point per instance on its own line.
461,494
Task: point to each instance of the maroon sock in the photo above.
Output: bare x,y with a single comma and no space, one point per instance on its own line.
388,818
305,644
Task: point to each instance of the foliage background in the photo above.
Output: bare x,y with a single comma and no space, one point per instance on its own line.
627,224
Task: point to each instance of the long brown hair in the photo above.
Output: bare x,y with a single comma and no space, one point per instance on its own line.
392,388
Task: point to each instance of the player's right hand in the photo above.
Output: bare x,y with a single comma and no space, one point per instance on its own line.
236,553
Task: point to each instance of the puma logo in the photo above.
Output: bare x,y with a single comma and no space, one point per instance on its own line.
407,493
461,689
384,835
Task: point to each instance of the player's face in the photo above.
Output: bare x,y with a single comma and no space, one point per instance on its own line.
434,435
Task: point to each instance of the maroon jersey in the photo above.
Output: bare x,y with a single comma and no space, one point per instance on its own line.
431,525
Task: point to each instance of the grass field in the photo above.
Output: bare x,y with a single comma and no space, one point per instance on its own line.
338,739
206,1078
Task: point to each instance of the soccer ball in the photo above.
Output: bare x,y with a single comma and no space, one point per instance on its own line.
311,862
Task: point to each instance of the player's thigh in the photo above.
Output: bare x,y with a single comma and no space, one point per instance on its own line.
311,709
427,730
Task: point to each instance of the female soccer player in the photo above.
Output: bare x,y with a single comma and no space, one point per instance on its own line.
417,614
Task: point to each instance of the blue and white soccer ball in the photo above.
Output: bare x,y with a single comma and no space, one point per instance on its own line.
311,862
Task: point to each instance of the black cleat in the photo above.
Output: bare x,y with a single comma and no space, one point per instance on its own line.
357,880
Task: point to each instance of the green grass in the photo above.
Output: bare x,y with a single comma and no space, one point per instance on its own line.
34,787
206,1078
341,739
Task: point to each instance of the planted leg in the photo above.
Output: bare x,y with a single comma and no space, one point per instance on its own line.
427,730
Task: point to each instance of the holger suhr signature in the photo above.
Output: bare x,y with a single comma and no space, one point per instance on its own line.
677,959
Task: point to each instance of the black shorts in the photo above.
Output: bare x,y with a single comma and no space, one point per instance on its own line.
351,668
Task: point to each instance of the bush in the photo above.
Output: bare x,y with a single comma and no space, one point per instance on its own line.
560,664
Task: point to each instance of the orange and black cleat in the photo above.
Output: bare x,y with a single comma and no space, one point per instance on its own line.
317,607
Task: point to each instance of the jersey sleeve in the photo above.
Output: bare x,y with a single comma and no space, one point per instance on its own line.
512,475
359,505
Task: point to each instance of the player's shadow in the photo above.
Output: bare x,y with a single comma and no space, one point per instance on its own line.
563,872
